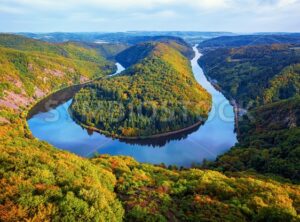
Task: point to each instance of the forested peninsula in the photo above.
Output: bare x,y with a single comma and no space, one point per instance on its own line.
157,94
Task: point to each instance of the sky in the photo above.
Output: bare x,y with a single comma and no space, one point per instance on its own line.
149,15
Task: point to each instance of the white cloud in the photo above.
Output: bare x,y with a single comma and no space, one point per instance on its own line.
165,14
11,10
212,4
120,4
284,3
196,14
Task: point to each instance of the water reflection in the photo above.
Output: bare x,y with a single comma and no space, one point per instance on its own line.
50,121
163,140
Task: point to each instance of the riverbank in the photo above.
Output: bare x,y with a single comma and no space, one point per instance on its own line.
64,93
238,110
155,136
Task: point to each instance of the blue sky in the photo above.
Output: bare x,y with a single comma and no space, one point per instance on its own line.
159,15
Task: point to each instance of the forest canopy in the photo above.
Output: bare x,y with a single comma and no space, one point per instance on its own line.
42,183
156,94
264,79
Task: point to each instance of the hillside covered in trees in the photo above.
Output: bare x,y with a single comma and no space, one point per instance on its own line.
157,94
265,80
107,50
39,182
32,69
250,40
42,183
254,75
139,51
154,193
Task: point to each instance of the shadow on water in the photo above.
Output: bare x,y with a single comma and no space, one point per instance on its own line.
50,121
54,100
64,96
161,141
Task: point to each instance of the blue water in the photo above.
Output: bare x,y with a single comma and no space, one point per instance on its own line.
205,142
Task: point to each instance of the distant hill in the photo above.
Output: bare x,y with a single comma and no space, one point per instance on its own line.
115,50
164,39
249,40
67,49
31,68
192,37
144,46
107,50
134,54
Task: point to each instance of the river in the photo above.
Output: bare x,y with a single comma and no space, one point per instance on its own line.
54,125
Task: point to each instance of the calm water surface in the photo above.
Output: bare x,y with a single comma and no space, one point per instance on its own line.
216,136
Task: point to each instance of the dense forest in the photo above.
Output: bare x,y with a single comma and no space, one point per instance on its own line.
42,183
68,49
249,40
266,81
157,94
31,68
135,54
252,74
139,51
155,193
39,182
107,50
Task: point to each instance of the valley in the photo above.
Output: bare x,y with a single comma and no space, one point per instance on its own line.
56,126
255,180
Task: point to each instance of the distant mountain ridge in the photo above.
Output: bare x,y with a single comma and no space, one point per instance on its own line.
192,37
250,40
